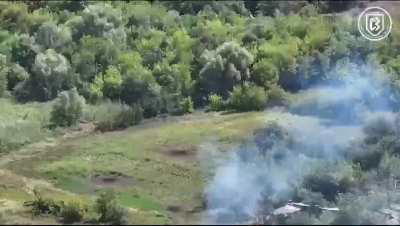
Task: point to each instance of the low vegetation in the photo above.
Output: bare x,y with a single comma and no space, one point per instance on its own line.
105,207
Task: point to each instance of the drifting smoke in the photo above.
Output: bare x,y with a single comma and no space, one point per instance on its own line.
317,129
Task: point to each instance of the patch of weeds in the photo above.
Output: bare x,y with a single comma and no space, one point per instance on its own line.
72,212
42,206
108,209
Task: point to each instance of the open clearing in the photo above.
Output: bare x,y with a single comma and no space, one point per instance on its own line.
155,168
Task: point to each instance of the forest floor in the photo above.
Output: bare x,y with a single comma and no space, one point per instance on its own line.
158,169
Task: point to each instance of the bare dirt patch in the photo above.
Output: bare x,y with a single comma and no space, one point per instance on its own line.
181,152
111,180
174,208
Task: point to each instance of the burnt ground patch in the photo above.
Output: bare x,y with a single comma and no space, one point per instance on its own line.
180,152
110,179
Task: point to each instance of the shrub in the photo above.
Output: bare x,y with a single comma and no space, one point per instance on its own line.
108,209
42,205
248,97
187,105
15,75
72,212
216,102
225,67
114,115
3,75
378,127
3,83
67,109
265,73
277,96
271,136
325,184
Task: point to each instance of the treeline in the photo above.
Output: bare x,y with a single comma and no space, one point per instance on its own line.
174,56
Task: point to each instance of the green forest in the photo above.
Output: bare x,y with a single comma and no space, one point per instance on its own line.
176,56
81,82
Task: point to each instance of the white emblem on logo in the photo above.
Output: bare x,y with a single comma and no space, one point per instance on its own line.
374,23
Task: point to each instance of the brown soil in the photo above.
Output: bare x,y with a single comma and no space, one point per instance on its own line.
180,152
174,209
111,179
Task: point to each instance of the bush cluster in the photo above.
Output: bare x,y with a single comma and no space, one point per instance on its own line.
106,207
169,58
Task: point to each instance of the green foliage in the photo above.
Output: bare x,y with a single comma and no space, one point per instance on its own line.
270,7
187,105
14,17
318,35
42,205
67,109
182,44
22,124
51,36
140,87
51,75
224,68
94,56
277,96
101,20
248,97
282,55
3,75
156,54
72,212
113,115
8,41
109,210
216,102
265,73
15,75
112,82
96,89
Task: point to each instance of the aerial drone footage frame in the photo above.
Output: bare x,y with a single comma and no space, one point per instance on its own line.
199,112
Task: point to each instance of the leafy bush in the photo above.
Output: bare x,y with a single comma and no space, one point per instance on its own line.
72,212
216,102
3,75
248,97
265,73
51,74
109,115
277,96
187,105
67,109
15,75
108,209
42,205
378,127
224,68
325,184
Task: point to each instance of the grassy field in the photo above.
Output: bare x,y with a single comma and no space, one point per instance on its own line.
22,124
155,167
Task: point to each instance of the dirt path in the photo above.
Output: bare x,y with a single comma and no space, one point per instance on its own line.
29,151
39,147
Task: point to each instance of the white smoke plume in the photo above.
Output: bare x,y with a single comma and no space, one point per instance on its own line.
318,127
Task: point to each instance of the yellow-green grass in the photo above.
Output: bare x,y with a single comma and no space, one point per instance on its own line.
11,111
156,180
22,123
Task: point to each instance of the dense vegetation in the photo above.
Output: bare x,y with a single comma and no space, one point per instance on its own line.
164,57
114,63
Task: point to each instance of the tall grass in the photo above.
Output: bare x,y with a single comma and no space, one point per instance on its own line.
22,124
109,115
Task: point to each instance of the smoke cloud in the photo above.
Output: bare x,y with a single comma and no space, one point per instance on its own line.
316,129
